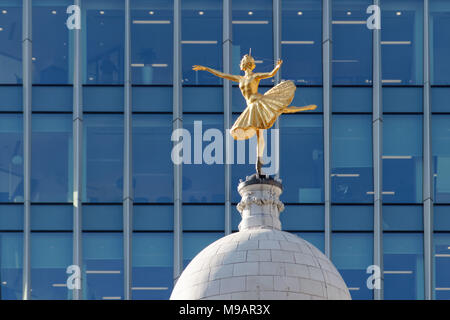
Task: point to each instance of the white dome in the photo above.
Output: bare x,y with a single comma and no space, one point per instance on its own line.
260,264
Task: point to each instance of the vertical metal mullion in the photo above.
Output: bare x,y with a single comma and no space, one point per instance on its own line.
127,164
77,157
277,55
427,160
327,87
27,88
177,124
377,140
227,108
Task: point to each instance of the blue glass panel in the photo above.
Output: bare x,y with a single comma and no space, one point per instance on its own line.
158,99
51,43
252,28
301,41
51,158
153,217
51,254
52,98
11,217
152,164
151,41
315,238
402,159
402,99
302,217
193,243
440,98
203,217
238,101
51,217
352,99
301,158
11,98
352,43
441,157
152,266
11,158
11,41
203,182
402,41
349,218
439,34
403,266
307,95
201,22
102,217
103,45
235,219
351,159
399,218
103,266
103,158
441,218
103,98
11,248
352,253
202,99
442,265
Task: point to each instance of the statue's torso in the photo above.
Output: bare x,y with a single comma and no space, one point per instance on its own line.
249,87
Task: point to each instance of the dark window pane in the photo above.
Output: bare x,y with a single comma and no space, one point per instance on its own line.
402,41
402,218
201,99
11,98
347,218
51,158
302,217
151,41
352,43
160,101
102,217
442,265
11,158
351,159
352,99
402,158
11,217
400,99
104,44
441,218
52,217
441,157
403,266
11,41
11,248
301,41
315,238
440,46
103,158
201,22
153,217
52,98
201,217
52,47
193,243
439,97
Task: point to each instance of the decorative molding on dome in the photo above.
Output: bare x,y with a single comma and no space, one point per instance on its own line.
270,199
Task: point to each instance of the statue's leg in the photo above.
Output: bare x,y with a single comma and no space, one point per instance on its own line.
259,150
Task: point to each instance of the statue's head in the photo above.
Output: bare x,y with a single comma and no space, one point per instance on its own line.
247,63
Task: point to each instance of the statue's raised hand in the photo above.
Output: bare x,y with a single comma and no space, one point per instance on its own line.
279,62
198,68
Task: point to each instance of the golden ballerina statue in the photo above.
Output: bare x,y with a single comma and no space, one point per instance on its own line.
262,109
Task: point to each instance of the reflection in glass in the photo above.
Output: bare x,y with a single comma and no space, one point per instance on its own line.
441,157
301,41
51,158
151,41
103,158
152,266
103,266
402,158
52,48
252,28
402,41
201,22
439,35
351,159
403,266
105,25
11,248
152,164
351,254
11,158
11,41
352,43
442,265
51,254
301,166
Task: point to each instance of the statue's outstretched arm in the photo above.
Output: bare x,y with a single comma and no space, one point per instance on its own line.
217,73
266,75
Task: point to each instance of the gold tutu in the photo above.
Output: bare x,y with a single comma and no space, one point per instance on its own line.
263,110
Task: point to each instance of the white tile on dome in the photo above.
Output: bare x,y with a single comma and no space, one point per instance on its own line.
246,268
234,257
269,244
282,256
247,245
220,272
312,287
272,268
316,274
284,283
234,284
260,283
296,270
258,255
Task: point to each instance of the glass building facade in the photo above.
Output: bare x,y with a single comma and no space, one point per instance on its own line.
87,115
